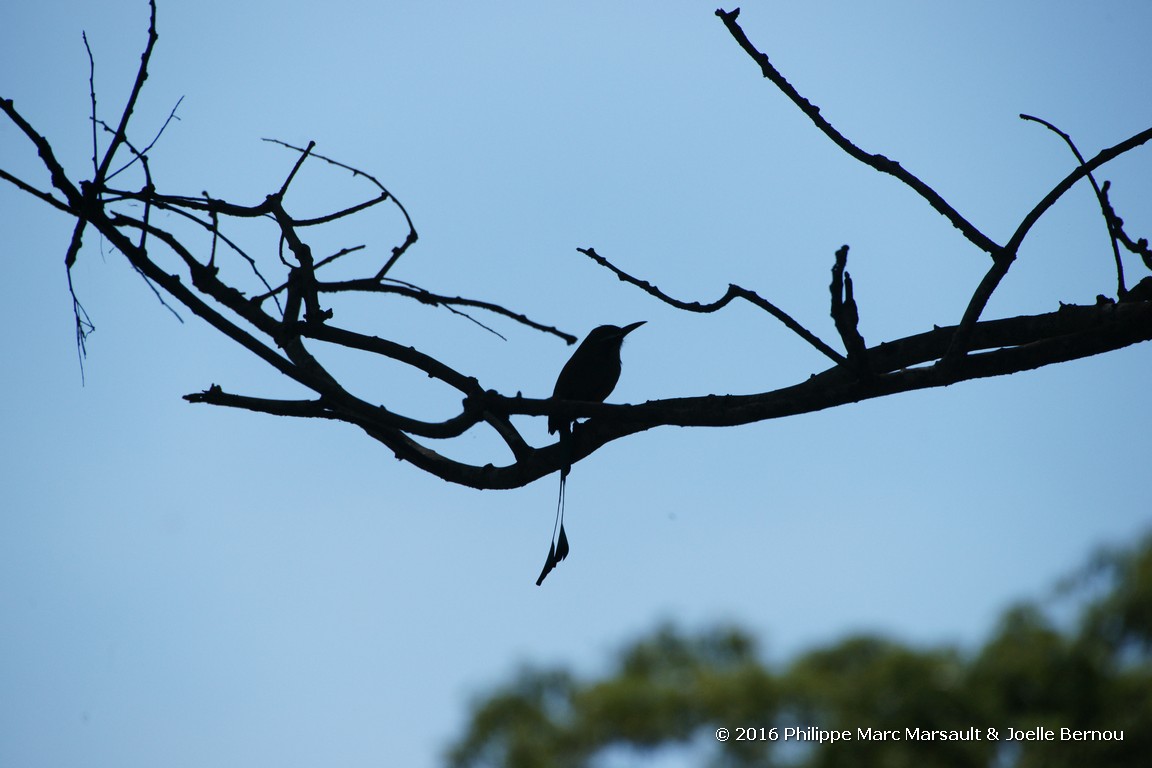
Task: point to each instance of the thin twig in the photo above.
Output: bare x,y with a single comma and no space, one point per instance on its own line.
295,168
143,245
411,238
1003,259
369,285
38,193
92,97
877,162
1138,247
1104,208
338,254
156,138
121,132
176,205
734,292
1102,157
84,326
384,197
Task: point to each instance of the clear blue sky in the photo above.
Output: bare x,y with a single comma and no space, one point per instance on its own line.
188,586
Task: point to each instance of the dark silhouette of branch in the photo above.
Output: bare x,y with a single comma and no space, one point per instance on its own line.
121,132
399,250
1116,226
1104,208
40,194
847,317
1002,256
92,100
295,332
1003,259
734,292
438,300
876,162
1065,184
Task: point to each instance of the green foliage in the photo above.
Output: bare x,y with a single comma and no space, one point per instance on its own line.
1031,675
867,682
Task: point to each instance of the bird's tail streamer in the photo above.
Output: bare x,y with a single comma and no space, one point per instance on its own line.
558,548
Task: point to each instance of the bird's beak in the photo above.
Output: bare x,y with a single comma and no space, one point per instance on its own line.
631,327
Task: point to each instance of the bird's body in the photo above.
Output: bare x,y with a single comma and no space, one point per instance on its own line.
589,375
592,371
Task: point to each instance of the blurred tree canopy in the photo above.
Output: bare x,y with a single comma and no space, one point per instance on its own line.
1036,673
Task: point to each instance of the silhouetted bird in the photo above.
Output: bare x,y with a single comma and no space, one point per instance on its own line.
590,375
592,371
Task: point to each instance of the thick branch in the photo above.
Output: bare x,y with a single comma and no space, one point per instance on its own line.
1015,344
47,156
173,285
474,409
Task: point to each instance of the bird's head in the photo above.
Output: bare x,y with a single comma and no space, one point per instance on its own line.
606,334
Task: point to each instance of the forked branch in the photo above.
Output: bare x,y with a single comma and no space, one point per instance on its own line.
195,261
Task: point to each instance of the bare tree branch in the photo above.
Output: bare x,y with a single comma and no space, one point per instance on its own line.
847,317
1003,259
121,133
876,162
1116,225
295,336
24,186
409,240
734,292
1120,289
